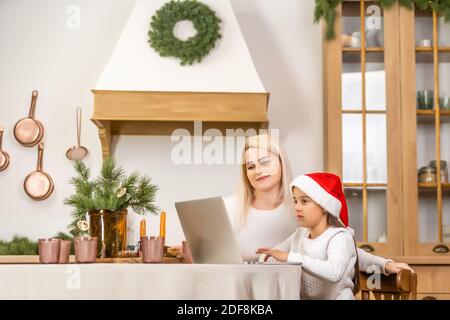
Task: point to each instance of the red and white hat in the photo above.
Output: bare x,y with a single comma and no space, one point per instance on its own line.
326,190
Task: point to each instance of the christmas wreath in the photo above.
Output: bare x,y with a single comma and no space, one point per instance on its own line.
326,10
205,21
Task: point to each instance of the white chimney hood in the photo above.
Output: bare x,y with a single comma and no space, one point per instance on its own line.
140,92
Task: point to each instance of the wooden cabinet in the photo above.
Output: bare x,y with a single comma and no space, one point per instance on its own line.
387,115
363,124
425,132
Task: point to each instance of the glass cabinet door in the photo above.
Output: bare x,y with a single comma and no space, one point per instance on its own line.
363,121
426,48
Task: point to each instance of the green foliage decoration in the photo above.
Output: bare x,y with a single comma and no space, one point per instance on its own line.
326,10
21,245
194,49
112,190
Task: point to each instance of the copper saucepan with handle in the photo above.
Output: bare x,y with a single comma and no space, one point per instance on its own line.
39,185
4,156
29,131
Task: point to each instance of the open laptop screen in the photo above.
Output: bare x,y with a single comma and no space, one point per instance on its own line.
208,231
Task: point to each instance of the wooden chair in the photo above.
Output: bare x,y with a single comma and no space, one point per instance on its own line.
400,286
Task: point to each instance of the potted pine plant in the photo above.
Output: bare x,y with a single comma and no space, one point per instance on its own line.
105,200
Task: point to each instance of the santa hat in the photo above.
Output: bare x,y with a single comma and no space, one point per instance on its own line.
326,190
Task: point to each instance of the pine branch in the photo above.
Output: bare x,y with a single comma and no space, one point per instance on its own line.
326,10
19,245
112,190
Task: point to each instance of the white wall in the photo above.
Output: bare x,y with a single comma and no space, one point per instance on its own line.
38,51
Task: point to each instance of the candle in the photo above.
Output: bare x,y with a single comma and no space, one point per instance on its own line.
162,225
143,228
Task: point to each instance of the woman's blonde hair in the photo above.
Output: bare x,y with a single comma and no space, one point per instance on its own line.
246,192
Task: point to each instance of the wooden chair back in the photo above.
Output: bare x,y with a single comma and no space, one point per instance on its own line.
400,286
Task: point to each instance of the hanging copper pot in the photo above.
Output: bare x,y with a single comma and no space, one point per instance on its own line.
39,185
29,131
4,156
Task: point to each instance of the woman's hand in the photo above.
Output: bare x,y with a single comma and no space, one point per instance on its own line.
395,267
277,254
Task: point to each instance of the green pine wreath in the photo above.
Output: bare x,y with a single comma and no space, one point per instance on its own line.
162,39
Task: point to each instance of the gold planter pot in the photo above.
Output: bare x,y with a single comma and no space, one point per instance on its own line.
111,230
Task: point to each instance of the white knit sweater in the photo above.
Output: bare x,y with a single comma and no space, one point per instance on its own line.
328,262
267,228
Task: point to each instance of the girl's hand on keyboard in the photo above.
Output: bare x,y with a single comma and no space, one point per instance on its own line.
275,253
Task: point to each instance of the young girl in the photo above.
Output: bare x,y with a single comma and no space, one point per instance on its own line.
322,245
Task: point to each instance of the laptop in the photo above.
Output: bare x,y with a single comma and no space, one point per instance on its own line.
208,231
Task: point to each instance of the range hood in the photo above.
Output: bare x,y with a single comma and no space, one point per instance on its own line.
141,93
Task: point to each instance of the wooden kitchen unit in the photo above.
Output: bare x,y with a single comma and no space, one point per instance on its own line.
379,134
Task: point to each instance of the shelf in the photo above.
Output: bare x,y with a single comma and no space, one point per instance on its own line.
426,55
430,186
376,55
430,49
358,50
354,56
160,113
428,116
424,49
355,111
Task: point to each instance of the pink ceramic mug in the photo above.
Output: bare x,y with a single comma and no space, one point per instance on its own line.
85,249
49,249
64,251
152,249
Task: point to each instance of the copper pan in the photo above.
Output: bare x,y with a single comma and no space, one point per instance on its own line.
29,131
39,185
4,156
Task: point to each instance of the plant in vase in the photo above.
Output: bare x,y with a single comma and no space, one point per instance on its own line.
104,201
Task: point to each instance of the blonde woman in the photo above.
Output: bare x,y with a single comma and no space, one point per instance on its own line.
262,211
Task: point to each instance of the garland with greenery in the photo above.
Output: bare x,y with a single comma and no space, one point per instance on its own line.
20,245
112,190
205,21
326,10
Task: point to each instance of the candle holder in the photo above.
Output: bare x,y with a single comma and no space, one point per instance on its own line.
85,249
186,252
64,252
152,249
49,249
